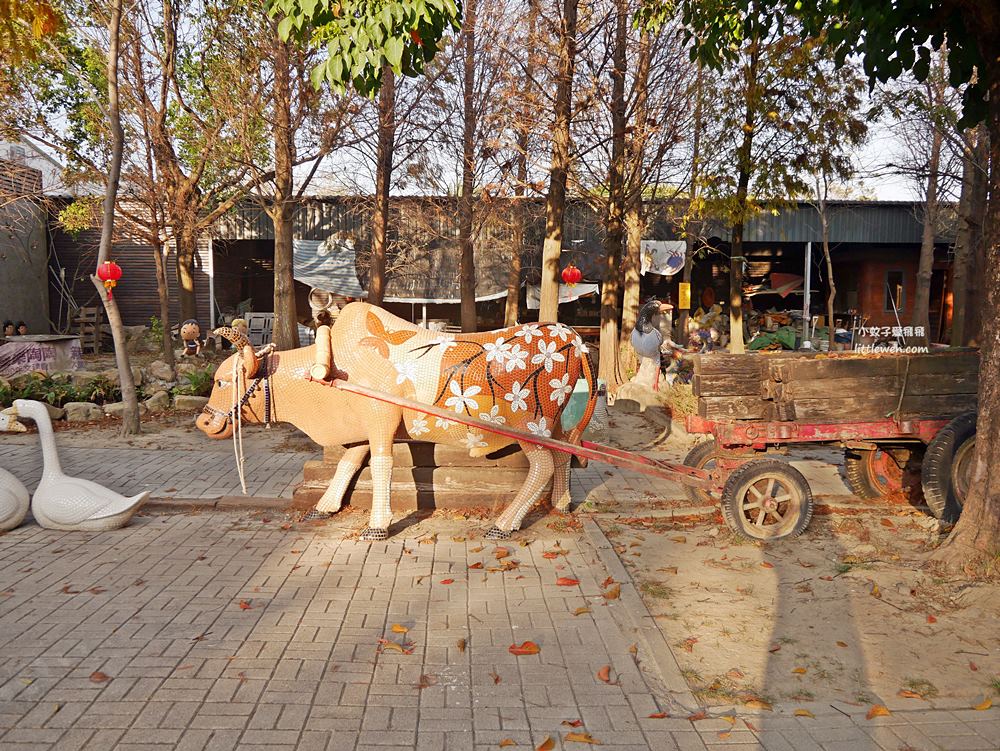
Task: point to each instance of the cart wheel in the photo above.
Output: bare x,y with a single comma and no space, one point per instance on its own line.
767,499
947,468
873,473
702,456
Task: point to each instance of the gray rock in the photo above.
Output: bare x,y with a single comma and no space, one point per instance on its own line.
111,374
116,409
82,377
184,402
55,413
82,411
158,402
160,370
635,397
184,368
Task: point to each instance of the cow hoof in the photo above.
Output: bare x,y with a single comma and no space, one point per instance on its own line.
495,533
372,534
316,515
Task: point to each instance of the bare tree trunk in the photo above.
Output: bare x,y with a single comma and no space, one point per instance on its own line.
520,205
187,247
922,297
971,207
555,204
744,156
614,234
130,415
693,229
976,537
635,222
465,208
285,333
163,292
832,292
383,181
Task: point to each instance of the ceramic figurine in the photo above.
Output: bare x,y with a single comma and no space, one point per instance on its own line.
646,341
521,377
14,501
71,503
191,337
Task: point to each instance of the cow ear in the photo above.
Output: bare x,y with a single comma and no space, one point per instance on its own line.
250,362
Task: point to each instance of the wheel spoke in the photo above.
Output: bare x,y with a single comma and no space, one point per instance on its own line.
757,494
776,515
783,497
770,487
748,506
760,518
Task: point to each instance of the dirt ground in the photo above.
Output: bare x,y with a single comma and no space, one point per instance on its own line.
846,612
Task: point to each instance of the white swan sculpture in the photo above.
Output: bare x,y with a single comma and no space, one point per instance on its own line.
71,503
14,501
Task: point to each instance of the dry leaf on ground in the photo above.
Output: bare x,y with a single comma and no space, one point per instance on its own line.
399,629
447,581
525,648
878,710
245,605
604,674
581,611
572,723
496,678
547,745
800,671
581,738
758,704
98,677
983,705
659,716
502,553
613,593
804,713
507,743
565,581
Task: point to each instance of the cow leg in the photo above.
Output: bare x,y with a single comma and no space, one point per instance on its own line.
539,472
381,466
333,498
560,480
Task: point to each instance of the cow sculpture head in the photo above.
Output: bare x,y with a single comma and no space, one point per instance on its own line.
235,391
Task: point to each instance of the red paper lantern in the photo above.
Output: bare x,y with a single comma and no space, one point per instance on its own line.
109,272
571,275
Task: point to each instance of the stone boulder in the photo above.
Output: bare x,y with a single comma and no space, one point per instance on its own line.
115,409
636,397
185,402
158,402
186,368
82,411
82,377
55,413
160,371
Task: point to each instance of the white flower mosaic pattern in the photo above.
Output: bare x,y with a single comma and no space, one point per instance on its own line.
419,426
547,356
493,415
561,389
516,396
528,332
406,371
540,428
473,440
460,400
516,359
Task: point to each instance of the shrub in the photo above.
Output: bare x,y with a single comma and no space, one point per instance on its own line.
155,333
100,390
197,383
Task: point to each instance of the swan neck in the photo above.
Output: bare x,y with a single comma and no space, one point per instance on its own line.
50,456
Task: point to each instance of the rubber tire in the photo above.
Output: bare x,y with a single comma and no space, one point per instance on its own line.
744,475
859,479
935,473
698,457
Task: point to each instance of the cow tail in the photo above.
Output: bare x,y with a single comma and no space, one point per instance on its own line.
587,368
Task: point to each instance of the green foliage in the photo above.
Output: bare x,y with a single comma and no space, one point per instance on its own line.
155,331
197,383
363,36
891,37
57,389
79,215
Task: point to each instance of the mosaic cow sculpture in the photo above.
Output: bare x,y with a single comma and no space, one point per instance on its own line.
520,377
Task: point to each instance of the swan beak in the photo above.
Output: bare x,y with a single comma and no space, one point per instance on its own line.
9,423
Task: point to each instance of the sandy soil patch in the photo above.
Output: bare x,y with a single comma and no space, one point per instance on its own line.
844,612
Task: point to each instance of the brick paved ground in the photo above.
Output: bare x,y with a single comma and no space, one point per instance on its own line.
156,608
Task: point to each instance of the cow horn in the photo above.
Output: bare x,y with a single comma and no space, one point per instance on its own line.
238,338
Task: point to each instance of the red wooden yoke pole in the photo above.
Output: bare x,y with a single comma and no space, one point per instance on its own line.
697,478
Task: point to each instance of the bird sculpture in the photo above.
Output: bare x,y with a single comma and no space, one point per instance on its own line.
14,501
71,503
646,341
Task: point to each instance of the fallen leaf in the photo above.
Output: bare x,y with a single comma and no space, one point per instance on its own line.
386,644
526,648
827,578
565,581
984,704
572,723
461,645
581,738
875,591
931,619
659,716
775,648
495,677
701,714
447,581
201,637
242,676
688,644
799,671
668,570
805,564
613,593
581,611
507,743
286,526
96,590
633,650
477,564
736,674
547,745
973,666
245,605
67,591
907,694
501,553
458,539
679,539
886,522
604,674
841,643
878,710
398,628
98,677
476,550
731,719
758,704
429,540
724,735
804,713
766,564
607,582
426,681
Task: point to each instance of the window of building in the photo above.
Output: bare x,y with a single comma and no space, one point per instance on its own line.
893,292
